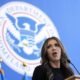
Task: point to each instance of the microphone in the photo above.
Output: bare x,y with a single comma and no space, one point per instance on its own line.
73,66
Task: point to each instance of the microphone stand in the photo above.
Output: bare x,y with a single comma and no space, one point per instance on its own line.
73,66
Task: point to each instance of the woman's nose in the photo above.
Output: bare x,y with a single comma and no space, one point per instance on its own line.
53,47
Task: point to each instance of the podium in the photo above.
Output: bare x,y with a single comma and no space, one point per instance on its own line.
74,77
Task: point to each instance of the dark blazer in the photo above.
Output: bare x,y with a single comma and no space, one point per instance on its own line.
40,73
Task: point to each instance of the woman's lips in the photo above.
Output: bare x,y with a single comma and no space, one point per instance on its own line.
54,53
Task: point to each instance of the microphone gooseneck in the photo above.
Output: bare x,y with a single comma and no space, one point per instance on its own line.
73,66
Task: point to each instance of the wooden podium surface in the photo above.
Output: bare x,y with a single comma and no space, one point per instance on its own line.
75,77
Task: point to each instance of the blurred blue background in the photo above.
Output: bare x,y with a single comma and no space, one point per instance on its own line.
65,14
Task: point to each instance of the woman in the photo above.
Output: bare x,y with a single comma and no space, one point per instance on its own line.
54,64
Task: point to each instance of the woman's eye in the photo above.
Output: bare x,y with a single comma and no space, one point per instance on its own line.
48,46
56,44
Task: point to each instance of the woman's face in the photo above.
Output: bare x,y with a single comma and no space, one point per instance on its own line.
53,51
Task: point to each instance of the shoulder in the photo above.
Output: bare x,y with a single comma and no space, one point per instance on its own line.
40,68
39,73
